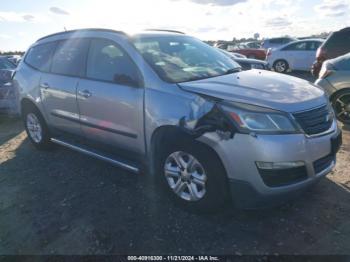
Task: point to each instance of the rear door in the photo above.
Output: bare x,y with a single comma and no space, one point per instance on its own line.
58,88
295,54
110,98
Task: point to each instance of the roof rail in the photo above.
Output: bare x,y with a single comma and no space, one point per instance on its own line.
165,30
82,30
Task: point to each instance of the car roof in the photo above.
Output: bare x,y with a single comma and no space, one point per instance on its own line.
304,40
85,30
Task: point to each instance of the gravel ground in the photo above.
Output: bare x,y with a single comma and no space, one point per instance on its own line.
62,202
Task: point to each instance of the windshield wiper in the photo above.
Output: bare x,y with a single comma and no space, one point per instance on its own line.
233,70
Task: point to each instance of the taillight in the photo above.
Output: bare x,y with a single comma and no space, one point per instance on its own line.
269,52
320,54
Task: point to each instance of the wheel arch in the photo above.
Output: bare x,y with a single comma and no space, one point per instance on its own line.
27,103
281,59
160,140
345,89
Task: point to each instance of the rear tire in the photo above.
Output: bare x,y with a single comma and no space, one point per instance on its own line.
36,128
281,66
341,105
201,185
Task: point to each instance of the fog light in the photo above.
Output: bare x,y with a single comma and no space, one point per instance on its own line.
279,165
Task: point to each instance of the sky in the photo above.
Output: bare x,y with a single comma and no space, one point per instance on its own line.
22,22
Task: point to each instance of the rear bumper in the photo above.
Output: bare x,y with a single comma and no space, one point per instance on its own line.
326,86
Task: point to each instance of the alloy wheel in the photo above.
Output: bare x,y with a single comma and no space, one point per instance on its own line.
185,175
342,108
34,127
281,66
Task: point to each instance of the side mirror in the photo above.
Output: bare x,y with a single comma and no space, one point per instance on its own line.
126,80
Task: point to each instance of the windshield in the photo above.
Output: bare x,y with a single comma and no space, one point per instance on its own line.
182,58
6,64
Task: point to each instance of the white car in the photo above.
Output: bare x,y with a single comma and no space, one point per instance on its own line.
297,55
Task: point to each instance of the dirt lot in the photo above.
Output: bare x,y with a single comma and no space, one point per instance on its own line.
62,202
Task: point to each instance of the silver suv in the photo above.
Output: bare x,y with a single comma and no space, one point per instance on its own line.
166,104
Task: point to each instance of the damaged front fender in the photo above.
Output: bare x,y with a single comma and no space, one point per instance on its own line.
212,120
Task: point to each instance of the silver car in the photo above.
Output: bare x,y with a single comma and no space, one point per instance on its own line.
168,105
334,78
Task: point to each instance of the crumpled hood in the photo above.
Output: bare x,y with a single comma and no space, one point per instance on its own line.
262,88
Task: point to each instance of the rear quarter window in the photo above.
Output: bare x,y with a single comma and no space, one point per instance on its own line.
339,42
40,56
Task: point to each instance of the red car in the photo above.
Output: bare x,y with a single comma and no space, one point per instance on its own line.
250,52
337,44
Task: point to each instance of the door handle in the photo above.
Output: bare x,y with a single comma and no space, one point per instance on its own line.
45,85
85,93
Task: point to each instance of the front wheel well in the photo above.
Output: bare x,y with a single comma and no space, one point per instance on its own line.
168,135
346,89
26,104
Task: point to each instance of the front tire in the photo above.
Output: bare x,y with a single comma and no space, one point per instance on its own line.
36,128
193,176
341,105
281,66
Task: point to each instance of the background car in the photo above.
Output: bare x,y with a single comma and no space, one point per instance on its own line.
235,55
276,42
334,78
246,63
255,53
255,44
8,101
6,64
297,55
15,59
337,44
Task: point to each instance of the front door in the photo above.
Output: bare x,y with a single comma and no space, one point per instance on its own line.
110,98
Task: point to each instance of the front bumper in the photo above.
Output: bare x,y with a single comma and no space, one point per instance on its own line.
240,154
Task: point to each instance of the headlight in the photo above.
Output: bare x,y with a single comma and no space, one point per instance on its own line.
248,118
257,66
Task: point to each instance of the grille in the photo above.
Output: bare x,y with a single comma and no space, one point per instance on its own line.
283,177
314,121
323,163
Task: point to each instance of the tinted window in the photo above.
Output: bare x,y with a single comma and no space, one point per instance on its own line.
39,56
301,46
338,40
70,57
108,62
313,45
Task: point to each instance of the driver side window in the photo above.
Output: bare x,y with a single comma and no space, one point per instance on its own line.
108,62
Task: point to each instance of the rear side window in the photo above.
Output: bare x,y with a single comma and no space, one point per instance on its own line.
312,46
301,46
39,56
70,57
108,62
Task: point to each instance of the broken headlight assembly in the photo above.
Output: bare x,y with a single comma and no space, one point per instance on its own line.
260,120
